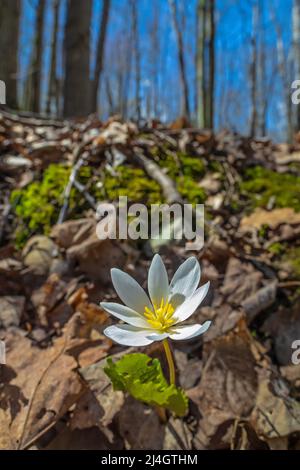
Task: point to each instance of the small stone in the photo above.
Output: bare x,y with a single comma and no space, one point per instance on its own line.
11,309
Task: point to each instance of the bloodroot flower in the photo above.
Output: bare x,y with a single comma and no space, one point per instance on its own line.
159,318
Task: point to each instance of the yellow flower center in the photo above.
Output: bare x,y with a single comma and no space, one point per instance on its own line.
160,317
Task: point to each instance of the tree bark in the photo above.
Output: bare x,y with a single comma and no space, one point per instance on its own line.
211,66
9,40
36,65
253,70
100,53
137,58
206,63
296,52
200,62
77,59
181,60
53,81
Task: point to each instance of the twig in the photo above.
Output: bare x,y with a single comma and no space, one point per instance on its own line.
78,162
30,119
89,198
154,171
288,284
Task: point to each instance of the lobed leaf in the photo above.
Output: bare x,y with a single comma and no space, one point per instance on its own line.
142,377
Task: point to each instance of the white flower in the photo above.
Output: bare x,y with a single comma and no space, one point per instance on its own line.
156,319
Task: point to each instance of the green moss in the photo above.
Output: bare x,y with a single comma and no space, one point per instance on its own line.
179,163
192,167
262,184
190,190
138,187
37,205
263,231
276,248
133,183
185,171
216,166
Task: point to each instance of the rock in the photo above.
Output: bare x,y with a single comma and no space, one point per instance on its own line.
38,254
11,309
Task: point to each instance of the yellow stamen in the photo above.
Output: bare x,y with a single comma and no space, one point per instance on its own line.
160,318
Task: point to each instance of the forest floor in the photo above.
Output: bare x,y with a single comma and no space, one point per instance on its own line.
243,387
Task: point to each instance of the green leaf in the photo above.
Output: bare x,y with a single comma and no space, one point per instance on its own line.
142,377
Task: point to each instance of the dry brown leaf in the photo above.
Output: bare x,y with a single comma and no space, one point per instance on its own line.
275,416
241,281
272,219
40,388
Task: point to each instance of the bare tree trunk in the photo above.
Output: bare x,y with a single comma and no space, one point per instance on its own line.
77,59
209,108
181,60
206,63
100,53
36,64
128,76
264,88
200,62
283,73
9,40
137,54
53,81
253,70
109,95
296,52
154,59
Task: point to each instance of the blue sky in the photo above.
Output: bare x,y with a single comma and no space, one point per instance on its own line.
233,52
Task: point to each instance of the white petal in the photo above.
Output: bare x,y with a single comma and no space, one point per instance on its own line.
188,307
129,335
157,336
188,331
129,291
185,280
158,284
125,313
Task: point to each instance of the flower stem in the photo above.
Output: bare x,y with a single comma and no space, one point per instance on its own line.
170,361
